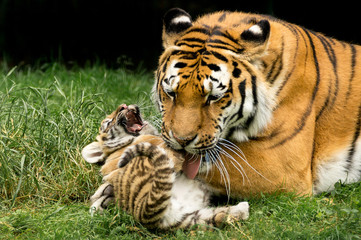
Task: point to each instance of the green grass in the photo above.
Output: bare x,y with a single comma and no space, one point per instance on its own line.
49,113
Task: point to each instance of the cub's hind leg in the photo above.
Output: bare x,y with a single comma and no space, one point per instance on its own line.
102,197
216,217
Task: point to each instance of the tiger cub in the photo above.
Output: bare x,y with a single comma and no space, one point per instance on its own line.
145,177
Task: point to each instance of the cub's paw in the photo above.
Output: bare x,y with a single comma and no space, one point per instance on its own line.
239,212
102,198
93,153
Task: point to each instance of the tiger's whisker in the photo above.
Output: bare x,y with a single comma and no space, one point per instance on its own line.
221,173
226,176
239,168
244,160
228,182
234,146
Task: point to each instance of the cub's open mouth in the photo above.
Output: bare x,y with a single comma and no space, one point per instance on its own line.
131,120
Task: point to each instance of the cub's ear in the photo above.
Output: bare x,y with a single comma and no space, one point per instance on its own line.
258,33
93,153
175,21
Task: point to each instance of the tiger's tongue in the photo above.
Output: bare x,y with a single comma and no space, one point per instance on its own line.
191,166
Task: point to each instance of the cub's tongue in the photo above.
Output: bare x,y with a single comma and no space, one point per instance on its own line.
134,123
191,165
136,127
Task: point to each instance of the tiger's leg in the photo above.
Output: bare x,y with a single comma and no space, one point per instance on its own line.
102,197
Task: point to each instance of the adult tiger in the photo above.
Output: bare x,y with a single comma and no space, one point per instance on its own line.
287,96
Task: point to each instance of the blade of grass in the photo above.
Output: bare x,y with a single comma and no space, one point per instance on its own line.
22,161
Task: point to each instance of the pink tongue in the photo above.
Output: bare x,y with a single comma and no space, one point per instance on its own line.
136,127
191,166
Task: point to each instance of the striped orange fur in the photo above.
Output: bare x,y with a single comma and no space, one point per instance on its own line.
267,105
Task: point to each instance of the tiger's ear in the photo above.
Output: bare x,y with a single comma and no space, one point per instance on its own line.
258,33
93,153
175,21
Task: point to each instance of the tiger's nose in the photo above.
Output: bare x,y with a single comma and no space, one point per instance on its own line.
184,141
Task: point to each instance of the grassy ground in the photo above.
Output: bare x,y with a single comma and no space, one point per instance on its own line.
48,114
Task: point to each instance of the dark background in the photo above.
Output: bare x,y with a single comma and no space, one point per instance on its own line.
81,31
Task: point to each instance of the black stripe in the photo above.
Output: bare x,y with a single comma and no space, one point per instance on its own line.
227,105
325,103
274,73
135,190
353,143
219,56
353,64
218,41
156,202
127,156
254,91
225,35
332,57
236,71
130,187
188,53
296,33
214,67
147,216
160,187
188,57
222,17
216,80
192,39
198,30
255,101
308,111
222,47
126,176
193,65
242,91
189,45
180,65
165,64
179,223
165,60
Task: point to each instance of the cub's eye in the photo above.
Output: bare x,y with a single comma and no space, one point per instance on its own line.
214,98
105,124
170,93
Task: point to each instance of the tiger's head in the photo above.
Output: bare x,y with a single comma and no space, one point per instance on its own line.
210,83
